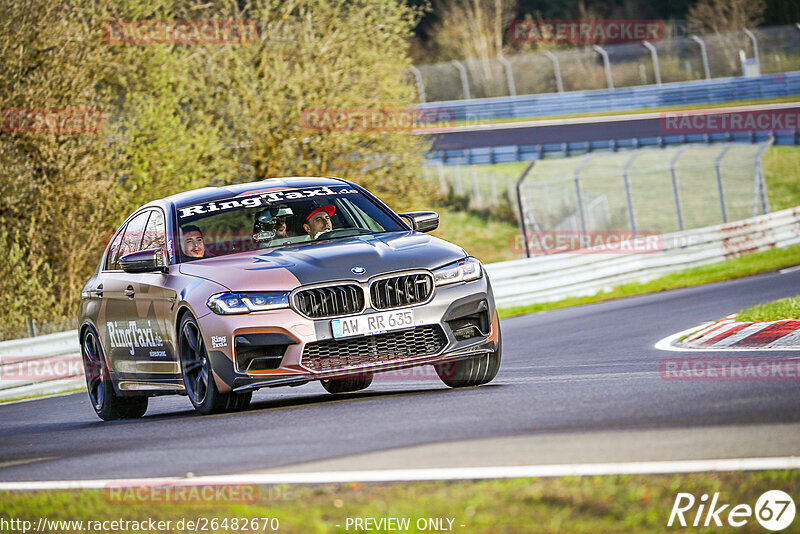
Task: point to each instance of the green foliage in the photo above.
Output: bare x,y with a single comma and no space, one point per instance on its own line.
615,503
181,116
772,311
24,262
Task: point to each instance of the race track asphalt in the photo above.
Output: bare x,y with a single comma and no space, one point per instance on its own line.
579,130
576,385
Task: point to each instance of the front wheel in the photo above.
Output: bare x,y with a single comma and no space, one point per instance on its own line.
106,403
198,376
471,371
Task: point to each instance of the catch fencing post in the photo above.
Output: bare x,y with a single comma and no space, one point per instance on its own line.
420,84
760,175
606,64
717,163
512,88
703,54
576,178
752,37
556,70
628,197
522,224
442,181
675,185
654,56
493,182
459,185
476,192
462,70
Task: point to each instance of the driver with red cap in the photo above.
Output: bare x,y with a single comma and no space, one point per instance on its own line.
319,221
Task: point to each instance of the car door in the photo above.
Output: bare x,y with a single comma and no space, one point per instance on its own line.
155,356
119,290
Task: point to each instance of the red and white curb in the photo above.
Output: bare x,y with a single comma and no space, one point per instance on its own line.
730,334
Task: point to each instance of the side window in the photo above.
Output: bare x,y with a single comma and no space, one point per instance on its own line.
133,236
113,252
155,234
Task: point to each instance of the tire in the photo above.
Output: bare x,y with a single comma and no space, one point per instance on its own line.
198,375
347,385
472,371
106,403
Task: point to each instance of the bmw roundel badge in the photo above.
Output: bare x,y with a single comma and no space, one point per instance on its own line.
358,270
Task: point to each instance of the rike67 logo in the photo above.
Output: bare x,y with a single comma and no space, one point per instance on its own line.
774,510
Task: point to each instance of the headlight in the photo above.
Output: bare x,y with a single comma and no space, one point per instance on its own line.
233,303
462,271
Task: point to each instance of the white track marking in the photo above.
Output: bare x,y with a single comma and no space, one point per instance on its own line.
706,328
667,343
408,475
789,269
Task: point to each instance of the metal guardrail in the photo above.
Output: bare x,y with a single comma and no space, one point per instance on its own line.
582,273
39,365
626,98
641,136
515,283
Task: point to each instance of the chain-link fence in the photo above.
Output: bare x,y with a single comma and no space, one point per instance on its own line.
644,190
679,59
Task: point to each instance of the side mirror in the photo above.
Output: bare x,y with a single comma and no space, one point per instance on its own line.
144,261
422,221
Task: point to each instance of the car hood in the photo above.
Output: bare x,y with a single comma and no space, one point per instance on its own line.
289,267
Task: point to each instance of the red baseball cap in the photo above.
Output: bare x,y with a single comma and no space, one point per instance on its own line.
330,210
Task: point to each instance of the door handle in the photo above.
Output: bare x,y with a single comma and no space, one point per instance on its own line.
129,292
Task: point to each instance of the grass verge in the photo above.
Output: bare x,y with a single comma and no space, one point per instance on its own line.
772,311
716,272
631,503
488,239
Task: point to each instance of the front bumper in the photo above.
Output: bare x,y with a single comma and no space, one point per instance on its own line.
449,305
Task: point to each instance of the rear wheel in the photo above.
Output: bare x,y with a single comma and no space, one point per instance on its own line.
472,371
348,384
106,403
198,376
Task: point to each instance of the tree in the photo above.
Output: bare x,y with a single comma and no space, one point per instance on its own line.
182,116
721,16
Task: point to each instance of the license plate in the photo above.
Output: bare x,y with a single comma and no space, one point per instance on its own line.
374,323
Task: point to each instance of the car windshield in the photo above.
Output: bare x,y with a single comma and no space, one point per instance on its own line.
277,218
